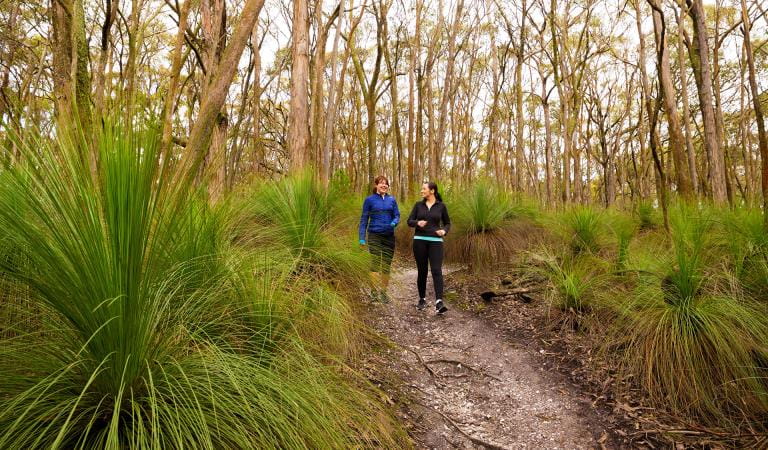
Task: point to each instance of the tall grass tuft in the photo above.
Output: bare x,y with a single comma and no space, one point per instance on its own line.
581,228
692,340
744,235
312,223
623,229
647,215
573,281
487,225
148,334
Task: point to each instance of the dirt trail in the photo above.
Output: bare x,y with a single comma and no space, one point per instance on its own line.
457,368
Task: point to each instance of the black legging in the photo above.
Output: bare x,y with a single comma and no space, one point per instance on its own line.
429,254
382,248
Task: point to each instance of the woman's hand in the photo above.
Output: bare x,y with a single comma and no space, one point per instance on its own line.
421,223
440,233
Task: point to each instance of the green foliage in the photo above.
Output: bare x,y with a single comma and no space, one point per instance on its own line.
581,228
692,339
486,225
623,229
745,237
311,223
647,215
152,330
573,281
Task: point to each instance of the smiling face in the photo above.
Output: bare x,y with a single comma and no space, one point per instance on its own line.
382,187
426,192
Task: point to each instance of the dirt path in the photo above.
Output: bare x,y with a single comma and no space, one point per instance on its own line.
456,368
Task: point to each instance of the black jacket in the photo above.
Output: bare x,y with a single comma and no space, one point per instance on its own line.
434,216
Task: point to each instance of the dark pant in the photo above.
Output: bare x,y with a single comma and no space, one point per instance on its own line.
429,254
382,248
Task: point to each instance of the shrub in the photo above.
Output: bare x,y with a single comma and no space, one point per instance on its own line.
581,228
623,229
647,215
691,340
488,226
573,281
150,332
744,235
313,224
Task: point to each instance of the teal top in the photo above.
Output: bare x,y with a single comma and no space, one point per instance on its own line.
428,238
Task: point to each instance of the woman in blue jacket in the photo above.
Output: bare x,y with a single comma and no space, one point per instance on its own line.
379,219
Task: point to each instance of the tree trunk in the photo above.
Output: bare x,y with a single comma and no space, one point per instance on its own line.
686,108
700,62
393,94
110,10
71,80
676,140
168,106
520,180
210,107
448,90
316,105
298,120
547,143
762,139
134,42
330,112
257,147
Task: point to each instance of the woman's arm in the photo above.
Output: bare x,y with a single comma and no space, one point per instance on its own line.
395,213
364,220
412,218
446,220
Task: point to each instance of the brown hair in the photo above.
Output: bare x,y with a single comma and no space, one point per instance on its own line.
432,186
378,180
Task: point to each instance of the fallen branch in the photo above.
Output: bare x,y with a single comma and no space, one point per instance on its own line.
488,295
463,364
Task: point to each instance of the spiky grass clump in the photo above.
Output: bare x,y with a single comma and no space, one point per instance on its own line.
312,224
744,235
147,333
582,228
692,341
647,216
485,226
573,282
623,227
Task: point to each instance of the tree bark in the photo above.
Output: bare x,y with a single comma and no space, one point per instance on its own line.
330,112
316,105
173,85
700,62
298,126
762,139
676,140
686,118
71,80
210,107
448,90
394,96
106,37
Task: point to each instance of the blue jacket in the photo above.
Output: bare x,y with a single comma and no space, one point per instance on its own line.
380,215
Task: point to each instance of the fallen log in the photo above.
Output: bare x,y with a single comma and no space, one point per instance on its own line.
520,292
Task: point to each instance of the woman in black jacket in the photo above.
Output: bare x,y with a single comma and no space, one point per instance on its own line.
430,219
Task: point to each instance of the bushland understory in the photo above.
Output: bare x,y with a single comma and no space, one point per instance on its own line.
138,313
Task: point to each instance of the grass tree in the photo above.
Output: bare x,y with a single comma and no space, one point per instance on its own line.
145,328
693,341
486,226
